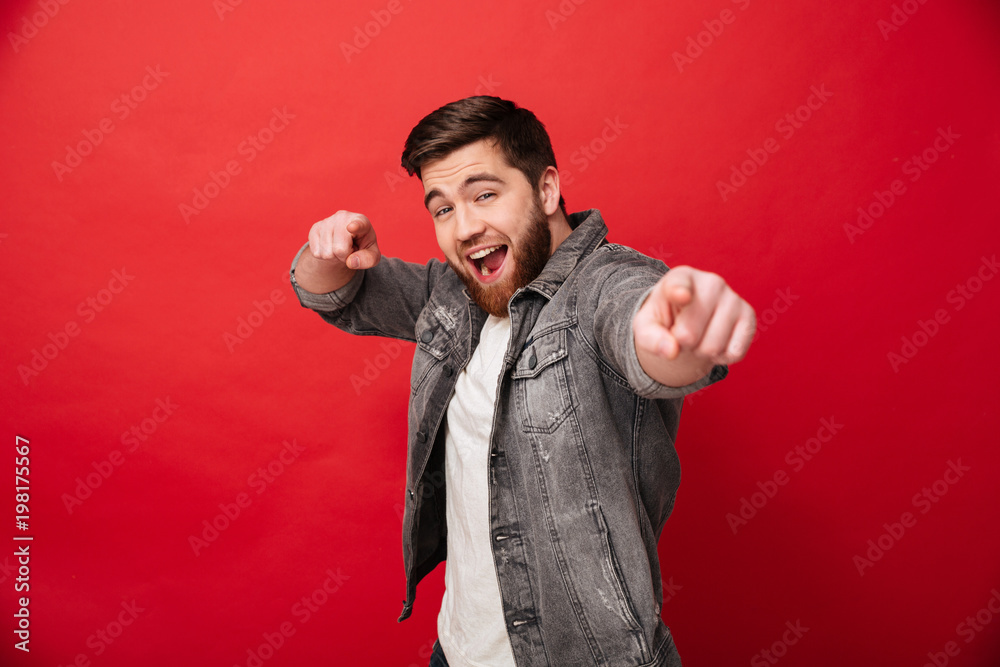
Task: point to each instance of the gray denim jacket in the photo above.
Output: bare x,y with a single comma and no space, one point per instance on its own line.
582,468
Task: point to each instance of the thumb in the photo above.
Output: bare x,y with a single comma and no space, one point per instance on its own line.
651,326
365,258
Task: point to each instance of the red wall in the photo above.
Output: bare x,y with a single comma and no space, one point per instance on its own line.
165,346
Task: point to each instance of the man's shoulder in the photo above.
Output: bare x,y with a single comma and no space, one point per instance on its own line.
618,249
615,259
447,289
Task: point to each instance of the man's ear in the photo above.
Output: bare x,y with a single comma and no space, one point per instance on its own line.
548,188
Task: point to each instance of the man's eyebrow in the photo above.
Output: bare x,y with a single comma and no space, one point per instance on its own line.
471,180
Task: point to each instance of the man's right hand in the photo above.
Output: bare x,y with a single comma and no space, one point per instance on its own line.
338,246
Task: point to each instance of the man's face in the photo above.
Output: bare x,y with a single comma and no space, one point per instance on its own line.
489,223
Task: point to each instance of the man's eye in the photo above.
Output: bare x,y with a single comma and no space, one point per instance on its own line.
486,194
441,211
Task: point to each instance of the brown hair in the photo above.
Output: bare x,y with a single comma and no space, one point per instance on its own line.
518,134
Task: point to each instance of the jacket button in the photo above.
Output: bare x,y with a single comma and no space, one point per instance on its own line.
447,371
421,437
427,336
532,361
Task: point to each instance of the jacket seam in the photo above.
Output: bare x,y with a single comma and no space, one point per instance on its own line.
592,349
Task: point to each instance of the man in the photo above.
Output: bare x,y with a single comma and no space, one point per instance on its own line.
547,385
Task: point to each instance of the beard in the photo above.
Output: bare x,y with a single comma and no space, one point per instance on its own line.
530,254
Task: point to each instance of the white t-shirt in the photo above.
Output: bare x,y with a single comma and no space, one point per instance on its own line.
471,625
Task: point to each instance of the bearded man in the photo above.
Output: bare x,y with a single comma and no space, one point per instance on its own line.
547,383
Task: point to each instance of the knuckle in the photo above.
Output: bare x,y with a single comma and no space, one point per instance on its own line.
711,349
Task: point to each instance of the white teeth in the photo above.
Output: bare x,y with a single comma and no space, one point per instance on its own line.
483,252
485,270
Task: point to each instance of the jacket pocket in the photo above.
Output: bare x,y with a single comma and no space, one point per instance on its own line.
434,333
626,608
541,383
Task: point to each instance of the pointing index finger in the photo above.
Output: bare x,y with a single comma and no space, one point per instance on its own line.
356,226
678,286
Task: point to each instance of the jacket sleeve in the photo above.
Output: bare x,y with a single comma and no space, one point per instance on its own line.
621,279
384,300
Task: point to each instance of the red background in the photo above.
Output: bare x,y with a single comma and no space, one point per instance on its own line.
167,334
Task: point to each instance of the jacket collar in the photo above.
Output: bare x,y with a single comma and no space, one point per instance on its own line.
588,232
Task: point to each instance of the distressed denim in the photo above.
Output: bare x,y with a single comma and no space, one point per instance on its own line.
437,656
582,470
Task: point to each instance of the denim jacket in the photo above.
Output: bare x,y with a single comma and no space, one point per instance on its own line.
582,468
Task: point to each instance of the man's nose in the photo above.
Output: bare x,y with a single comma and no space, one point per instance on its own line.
468,223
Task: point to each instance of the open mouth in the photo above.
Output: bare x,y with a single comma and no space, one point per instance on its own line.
488,262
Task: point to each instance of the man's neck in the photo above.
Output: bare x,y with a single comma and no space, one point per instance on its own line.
559,229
